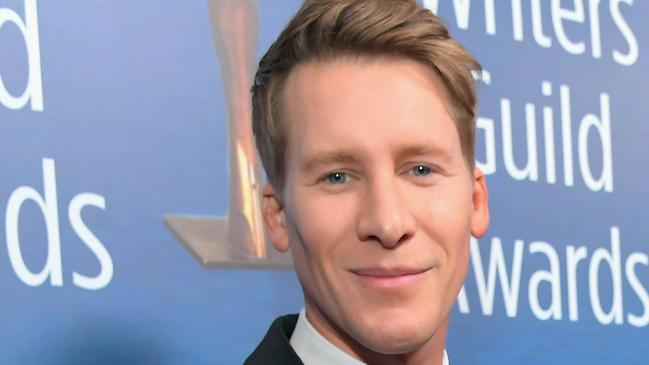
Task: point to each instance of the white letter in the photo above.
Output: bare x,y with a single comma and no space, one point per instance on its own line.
537,25
462,15
462,301
632,56
548,133
432,5
489,166
490,17
595,33
487,289
48,206
603,127
559,15
566,133
531,169
613,260
641,292
517,20
573,258
551,277
105,261
29,30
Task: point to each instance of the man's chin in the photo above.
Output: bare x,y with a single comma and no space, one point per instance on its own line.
393,337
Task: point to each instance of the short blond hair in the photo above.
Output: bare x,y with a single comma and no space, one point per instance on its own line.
329,29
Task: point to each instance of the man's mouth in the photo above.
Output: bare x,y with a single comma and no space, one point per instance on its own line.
381,277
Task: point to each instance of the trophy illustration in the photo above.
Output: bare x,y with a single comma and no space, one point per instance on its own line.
239,239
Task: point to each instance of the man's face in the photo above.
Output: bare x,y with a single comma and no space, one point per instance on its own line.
378,205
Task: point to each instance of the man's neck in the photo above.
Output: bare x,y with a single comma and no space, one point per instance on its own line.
430,352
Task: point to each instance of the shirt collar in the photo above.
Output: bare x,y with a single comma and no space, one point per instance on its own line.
314,349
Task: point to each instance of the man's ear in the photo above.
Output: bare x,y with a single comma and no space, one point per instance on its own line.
480,214
275,218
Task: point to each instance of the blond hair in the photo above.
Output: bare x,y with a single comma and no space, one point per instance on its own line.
329,29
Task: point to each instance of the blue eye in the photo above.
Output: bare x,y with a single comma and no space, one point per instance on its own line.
421,170
337,178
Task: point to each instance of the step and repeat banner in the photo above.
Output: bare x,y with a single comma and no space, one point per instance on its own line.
129,220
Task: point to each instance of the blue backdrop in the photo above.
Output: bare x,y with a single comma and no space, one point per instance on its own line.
113,114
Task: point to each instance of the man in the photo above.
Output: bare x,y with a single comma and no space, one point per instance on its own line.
364,117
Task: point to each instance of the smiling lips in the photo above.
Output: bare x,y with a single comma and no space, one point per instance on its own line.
389,278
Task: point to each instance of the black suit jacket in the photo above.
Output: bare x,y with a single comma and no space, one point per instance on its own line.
275,348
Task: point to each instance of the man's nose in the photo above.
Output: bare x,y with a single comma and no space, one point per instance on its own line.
385,216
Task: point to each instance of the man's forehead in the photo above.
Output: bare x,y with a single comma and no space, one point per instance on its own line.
308,72
344,111
340,90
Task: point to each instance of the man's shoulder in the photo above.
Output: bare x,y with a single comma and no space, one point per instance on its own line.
275,347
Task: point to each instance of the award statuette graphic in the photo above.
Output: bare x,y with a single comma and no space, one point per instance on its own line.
238,240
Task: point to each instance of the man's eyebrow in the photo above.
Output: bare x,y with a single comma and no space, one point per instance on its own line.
327,158
405,152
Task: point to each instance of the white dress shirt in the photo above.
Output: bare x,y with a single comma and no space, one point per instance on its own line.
314,349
